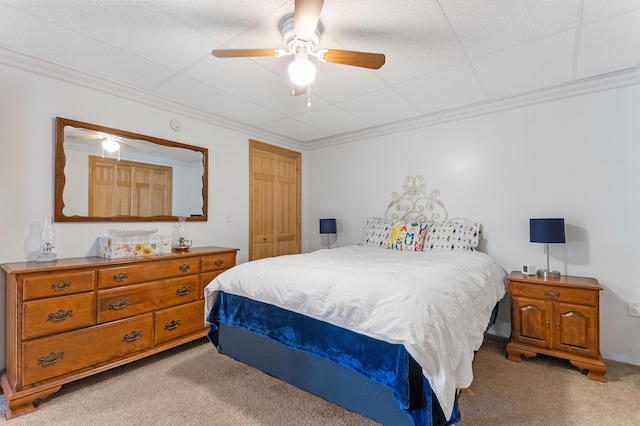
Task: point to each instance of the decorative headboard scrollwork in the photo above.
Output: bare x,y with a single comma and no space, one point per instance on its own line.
415,204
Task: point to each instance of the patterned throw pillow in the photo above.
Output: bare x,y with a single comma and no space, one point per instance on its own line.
377,232
452,236
407,236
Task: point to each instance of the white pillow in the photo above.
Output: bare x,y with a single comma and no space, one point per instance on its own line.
452,236
377,232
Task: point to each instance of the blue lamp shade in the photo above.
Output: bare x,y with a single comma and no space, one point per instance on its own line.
546,230
327,226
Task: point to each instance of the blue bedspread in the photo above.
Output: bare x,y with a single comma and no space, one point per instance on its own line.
387,364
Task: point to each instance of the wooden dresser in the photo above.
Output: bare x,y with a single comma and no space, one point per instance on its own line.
558,317
72,318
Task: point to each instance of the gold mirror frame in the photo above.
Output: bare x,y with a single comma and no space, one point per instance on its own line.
60,178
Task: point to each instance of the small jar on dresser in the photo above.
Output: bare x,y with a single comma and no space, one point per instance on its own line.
558,317
72,318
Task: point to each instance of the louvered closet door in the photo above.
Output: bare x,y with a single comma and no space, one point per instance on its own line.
275,201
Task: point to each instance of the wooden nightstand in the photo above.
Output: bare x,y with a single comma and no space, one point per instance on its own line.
558,317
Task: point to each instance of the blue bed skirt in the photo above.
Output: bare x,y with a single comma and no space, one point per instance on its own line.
385,365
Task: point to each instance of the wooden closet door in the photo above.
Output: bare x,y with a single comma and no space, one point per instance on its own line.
274,201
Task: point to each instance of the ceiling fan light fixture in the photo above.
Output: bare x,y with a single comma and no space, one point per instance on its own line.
110,145
301,70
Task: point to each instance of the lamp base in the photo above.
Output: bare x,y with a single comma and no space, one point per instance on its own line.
548,273
47,257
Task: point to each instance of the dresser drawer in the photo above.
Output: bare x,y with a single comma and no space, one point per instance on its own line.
58,314
132,300
54,356
218,261
118,276
58,284
552,292
179,321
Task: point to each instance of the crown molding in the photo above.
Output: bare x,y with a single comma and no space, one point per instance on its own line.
80,78
595,84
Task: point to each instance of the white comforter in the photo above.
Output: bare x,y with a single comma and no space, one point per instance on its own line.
437,304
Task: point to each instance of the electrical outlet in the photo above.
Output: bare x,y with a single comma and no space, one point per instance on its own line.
634,309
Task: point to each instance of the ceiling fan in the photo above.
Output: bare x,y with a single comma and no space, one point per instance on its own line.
301,36
110,143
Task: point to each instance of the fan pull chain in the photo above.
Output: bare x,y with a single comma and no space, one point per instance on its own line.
309,95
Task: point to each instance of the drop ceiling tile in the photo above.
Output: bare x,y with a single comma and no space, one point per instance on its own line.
414,36
332,120
335,82
296,130
248,79
215,101
222,20
443,90
76,51
609,45
380,107
164,39
541,63
593,10
488,26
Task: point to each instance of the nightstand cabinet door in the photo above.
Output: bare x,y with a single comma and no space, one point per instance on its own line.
576,329
532,321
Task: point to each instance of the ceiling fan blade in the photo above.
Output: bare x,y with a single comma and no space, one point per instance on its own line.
356,59
243,53
79,136
121,142
297,90
306,15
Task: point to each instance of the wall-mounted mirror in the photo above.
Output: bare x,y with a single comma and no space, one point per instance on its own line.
105,174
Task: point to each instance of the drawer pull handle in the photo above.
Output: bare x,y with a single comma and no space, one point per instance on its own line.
219,262
183,291
119,304
120,277
50,359
61,315
132,337
552,294
60,285
172,325
185,267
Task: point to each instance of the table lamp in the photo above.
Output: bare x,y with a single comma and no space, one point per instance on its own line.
547,231
328,226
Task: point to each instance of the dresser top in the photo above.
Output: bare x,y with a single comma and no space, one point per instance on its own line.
79,262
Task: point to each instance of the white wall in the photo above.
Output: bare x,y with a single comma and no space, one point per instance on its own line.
577,158
29,104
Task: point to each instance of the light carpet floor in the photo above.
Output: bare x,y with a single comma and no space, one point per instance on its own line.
194,385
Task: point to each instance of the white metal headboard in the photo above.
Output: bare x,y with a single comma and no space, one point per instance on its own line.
414,204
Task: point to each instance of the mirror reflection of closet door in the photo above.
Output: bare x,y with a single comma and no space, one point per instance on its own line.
127,188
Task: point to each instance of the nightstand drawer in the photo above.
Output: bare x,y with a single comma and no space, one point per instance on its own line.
552,292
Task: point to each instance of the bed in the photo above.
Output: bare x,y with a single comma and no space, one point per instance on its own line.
386,328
